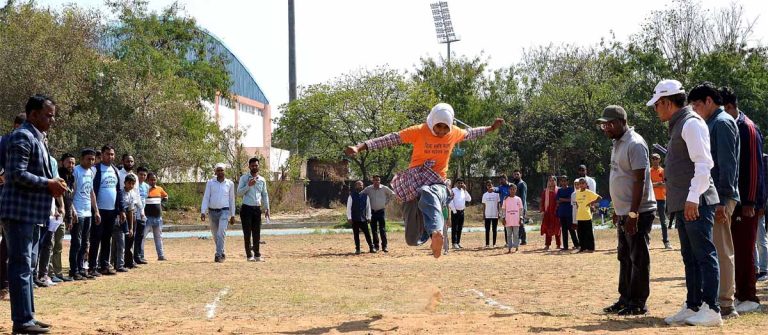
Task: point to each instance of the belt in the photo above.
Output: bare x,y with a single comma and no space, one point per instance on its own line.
251,206
218,209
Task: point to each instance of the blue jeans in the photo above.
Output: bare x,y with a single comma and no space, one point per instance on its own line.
761,247
431,201
702,270
138,241
77,248
155,225
219,221
22,238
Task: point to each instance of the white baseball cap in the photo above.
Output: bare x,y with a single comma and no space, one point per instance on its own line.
665,88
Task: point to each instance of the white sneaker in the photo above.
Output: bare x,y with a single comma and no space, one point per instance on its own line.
49,282
747,307
763,278
251,259
705,317
258,259
455,246
667,245
680,317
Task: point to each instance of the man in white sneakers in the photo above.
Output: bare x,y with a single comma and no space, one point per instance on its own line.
691,199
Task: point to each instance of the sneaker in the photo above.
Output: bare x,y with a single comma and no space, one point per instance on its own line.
64,278
384,250
122,270
55,280
459,244
455,246
523,243
161,258
93,273
107,272
729,312
748,307
142,261
615,308
763,276
487,246
679,318
77,277
631,311
373,251
705,317
667,245
258,259
48,281
251,259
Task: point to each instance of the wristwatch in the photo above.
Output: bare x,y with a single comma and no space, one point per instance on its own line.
632,215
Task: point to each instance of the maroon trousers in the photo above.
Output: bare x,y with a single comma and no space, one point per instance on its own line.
744,233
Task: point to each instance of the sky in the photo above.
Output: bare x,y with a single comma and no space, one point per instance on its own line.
335,37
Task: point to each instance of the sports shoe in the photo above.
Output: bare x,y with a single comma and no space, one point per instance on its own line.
763,276
632,310
122,270
729,312
162,258
680,317
64,278
459,244
747,307
667,245
705,317
77,277
258,259
56,279
48,281
142,261
251,259
455,246
615,308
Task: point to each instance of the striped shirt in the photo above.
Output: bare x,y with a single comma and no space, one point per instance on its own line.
153,206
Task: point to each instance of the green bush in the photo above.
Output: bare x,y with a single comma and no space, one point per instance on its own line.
185,196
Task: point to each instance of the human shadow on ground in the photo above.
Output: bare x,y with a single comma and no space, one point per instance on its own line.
666,279
622,324
346,327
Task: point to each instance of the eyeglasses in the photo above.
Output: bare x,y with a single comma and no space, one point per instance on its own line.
606,125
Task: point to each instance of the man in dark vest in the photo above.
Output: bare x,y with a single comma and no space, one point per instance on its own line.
358,214
691,199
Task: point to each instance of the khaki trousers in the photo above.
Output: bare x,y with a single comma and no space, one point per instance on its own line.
721,234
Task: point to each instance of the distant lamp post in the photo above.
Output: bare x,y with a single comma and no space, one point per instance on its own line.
443,25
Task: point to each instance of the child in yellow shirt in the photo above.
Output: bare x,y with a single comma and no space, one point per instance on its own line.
585,199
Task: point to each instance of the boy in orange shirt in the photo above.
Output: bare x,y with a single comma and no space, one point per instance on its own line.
422,186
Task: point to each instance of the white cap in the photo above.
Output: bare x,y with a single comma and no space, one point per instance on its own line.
220,165
665,88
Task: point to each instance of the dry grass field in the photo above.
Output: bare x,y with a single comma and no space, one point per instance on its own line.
313,284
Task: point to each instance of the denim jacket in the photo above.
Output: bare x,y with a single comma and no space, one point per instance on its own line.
724,143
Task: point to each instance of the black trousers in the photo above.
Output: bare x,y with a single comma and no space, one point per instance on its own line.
457,225
565,226
3,262
586,235
490,226
378,226
101,240
635,262
357,226
521,233
250,217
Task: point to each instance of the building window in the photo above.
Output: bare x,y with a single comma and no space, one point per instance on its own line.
225,102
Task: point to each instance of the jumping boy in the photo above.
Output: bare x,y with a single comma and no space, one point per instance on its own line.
422,186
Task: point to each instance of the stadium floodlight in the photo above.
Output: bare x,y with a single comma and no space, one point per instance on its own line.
444,25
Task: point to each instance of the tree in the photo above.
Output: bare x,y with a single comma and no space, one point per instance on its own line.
351,109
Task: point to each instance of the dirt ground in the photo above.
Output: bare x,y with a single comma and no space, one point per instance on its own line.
314,285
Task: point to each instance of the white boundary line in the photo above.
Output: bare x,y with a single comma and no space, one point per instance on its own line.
489,301
210,308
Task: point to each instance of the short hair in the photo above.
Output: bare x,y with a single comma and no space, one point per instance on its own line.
254,159
66,156
151,174
517,170
142,169
36,102
677,99
503,175
563,177
729,96
20,118
87,151
582,167
513,186
98,153
704,90
488,182
107,147
581,180
458,180
130,178
375,176
125,156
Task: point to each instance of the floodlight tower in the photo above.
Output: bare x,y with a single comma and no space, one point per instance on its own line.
443,25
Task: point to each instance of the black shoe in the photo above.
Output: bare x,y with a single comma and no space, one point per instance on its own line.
633,311
357,252
615,308
122,270
384,250
107,272
373,251
94,273
77,277
217,259
33,329
141,261
523,243
40,283
65,278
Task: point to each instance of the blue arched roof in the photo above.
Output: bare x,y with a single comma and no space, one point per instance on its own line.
243,82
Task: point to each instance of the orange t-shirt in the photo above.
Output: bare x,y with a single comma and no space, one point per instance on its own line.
657,175
428,147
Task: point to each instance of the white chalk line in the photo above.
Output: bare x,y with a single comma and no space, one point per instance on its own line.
210,308
490,302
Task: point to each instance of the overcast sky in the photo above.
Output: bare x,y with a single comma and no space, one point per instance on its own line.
334,37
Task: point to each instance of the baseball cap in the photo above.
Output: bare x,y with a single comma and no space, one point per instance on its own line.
655,155
611,113
665,88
